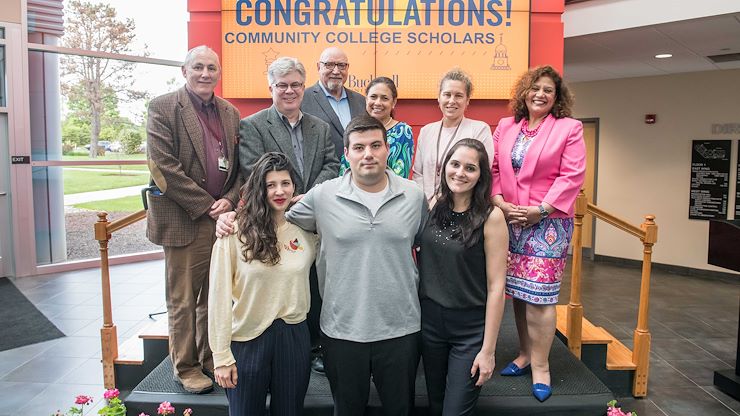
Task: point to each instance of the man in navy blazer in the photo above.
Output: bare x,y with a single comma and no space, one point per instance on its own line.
284,128
329,100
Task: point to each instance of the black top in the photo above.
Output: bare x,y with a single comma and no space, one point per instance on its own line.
450,274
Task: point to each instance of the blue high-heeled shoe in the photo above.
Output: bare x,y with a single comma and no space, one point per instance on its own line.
513,370
541,391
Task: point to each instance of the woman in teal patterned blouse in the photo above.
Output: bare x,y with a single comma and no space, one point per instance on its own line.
381,96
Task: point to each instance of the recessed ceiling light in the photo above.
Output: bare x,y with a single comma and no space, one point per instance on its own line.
664,55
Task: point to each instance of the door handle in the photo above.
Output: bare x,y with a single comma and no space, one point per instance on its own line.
3,193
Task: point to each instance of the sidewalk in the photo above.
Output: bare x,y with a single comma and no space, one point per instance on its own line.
74,199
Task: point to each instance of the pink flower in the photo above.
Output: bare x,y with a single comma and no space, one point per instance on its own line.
83,400
143,414
111,394
165,408
187,412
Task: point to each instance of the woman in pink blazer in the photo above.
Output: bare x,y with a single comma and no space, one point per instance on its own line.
538,169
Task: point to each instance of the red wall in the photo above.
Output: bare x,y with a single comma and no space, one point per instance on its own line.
545,47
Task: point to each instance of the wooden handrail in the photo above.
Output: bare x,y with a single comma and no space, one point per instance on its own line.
108,333
647,232
614,220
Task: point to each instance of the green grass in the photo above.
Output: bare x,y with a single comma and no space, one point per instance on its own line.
108,156
125,204
76,181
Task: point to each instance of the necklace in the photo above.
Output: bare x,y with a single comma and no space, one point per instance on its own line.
438,162
532,133
388,124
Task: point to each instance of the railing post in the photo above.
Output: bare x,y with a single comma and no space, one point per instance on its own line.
108,334
641,352
574,324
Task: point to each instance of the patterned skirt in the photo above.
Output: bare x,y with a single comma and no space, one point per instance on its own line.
537,257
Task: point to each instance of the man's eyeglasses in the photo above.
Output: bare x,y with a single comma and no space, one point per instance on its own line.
330,65
282,86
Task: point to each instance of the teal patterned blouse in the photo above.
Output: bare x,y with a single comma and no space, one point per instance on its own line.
401,144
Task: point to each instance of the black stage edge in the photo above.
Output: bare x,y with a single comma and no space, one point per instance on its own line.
576,390
728,382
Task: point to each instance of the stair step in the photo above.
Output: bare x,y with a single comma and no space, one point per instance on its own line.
618,356
131,352
576,390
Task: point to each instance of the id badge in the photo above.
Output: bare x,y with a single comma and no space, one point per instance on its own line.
223,164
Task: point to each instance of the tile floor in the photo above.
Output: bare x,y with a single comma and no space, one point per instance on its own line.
693,321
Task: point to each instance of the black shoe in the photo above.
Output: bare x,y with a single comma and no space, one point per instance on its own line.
317,365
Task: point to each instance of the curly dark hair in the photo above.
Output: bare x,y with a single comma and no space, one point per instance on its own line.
257,228
470,231
563,97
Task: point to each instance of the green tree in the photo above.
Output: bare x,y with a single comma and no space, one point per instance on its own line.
96,82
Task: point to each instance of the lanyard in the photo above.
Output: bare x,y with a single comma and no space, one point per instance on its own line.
438,162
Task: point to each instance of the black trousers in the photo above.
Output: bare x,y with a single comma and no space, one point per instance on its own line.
392,364
314,313
277,360
451,338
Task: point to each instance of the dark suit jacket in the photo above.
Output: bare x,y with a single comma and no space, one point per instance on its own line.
264,132
177,158
316,104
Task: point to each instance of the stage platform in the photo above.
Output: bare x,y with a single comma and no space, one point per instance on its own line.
576,391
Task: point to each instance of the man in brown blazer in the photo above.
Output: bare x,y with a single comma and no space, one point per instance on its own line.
193,159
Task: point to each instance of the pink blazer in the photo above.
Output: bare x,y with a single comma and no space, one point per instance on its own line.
554,166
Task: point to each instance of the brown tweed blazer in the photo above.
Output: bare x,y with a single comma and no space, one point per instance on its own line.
176,154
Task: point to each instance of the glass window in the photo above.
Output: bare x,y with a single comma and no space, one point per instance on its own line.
62,103
2,33
154,28
67,200
82,179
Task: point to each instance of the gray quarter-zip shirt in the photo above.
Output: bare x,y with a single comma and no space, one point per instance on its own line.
367,277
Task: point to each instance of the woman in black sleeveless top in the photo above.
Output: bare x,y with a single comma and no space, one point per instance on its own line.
462,265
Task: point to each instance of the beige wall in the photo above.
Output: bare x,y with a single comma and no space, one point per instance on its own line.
10,11
645,169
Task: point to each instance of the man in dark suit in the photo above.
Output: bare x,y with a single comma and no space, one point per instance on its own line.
284,128
191,144
329,100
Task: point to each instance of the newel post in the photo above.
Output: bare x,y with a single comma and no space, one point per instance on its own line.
108,335
641,352
574,328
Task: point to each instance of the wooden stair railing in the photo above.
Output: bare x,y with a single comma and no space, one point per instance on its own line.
108,335
647,233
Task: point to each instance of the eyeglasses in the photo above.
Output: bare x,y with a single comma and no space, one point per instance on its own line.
282,86
330,65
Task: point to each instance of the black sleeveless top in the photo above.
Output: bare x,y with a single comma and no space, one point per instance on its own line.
451,274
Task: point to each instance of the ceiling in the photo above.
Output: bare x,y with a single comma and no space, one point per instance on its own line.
631,52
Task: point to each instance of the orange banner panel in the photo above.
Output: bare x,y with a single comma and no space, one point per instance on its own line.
414,44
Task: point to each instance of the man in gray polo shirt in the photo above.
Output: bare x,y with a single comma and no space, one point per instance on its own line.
368,221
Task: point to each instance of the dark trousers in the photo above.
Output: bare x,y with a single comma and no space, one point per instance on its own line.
314,313
451,338
392,364
277,360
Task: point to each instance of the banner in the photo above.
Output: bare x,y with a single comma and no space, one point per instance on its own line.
414,42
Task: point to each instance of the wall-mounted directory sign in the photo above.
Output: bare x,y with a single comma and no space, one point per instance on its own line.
710,177
414,42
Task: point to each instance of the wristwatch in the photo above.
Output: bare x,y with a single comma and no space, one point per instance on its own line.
543,211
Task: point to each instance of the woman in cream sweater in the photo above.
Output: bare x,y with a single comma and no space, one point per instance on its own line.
259,297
